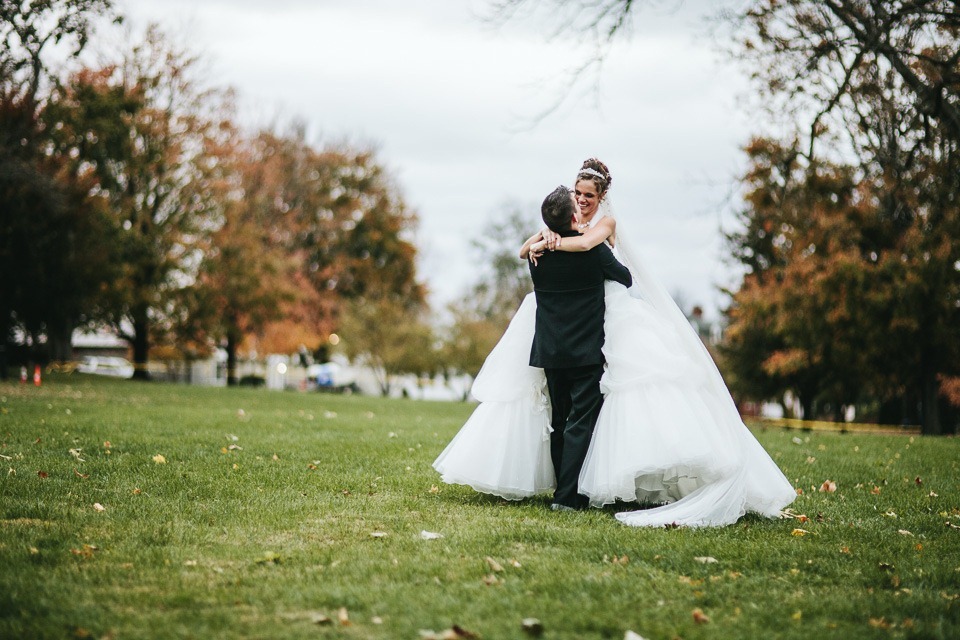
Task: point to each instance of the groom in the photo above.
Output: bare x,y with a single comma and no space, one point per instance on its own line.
568,339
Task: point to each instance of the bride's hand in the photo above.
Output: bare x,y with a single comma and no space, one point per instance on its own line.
550,238
536,250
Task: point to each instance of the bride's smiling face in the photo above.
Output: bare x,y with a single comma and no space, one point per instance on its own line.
577,213
587,198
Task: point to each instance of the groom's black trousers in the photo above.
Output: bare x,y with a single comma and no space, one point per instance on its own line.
576,400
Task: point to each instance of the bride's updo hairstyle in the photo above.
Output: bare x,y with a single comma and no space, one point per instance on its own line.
596,172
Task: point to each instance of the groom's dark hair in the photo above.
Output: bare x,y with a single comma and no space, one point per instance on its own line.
557,209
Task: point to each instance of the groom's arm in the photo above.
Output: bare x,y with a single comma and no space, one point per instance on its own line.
612,269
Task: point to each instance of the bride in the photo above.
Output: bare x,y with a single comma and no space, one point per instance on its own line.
668,434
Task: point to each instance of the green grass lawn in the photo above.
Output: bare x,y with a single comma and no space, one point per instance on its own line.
133,510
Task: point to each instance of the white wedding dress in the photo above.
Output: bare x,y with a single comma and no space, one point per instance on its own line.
668,434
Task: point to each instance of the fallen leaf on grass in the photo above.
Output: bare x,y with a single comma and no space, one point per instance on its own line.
797,615
456,632
159,459
43,474
137,491
890,514
875,491
270,558
879,623
86,552
434,489
933,494
799,532
828,486
99,507
904,532
700,617
378,534
76,454
430,535
532,627
80,475
342,617
707,559
491,580
918,481
631,635
495,566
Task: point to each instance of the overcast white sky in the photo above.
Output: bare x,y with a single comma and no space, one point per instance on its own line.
442,95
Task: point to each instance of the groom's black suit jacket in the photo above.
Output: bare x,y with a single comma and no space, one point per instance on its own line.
570,307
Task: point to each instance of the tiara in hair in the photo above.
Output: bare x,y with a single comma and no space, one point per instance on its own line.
592,172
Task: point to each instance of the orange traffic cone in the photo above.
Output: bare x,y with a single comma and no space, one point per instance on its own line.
36,375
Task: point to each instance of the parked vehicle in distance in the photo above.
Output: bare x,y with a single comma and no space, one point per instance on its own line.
331,376
106,366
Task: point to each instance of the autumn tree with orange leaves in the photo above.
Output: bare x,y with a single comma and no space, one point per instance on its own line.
304,232
853,291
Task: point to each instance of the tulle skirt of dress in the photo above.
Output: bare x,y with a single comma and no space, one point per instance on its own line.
668,433
504,448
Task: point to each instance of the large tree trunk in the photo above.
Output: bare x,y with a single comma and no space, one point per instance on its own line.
60,342
141,344
232,379
4,343
930,424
